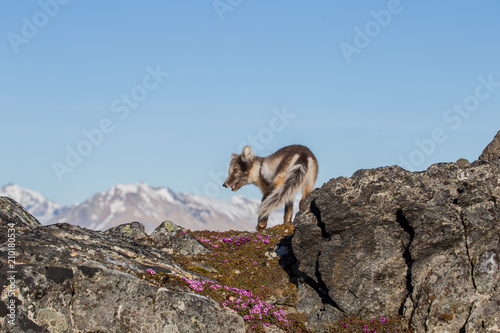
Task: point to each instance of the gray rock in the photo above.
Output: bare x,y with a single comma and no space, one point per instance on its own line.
10,210
492,151
71,279
134,231
314,302
463,163
112,302
423,245
171,236
273,329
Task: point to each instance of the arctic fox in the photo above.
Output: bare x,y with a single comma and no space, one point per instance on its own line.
279,177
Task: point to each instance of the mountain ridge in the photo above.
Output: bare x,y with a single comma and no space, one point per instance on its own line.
151,205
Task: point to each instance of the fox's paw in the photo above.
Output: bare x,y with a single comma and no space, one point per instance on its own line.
262,225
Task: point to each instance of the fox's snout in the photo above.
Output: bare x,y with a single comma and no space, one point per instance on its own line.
227,184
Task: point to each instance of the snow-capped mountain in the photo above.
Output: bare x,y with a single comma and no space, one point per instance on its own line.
150,206
34,202
146,204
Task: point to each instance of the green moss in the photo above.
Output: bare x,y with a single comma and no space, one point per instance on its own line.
165,280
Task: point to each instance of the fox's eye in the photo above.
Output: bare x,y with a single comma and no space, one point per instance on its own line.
236,170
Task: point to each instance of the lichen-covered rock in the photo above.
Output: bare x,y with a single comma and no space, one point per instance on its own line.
424,245
353,251
169,235
10,210
72,279
134,231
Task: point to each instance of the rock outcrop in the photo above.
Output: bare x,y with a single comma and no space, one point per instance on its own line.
424,245
492,152
72,279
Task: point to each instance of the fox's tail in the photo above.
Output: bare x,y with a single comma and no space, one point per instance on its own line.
293,181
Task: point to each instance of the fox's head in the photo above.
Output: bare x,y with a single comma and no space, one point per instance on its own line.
239,169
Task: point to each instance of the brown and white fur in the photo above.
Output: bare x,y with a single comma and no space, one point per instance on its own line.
279,177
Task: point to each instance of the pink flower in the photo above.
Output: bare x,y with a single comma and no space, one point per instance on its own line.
151,271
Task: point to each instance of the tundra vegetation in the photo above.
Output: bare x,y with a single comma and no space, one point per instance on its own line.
245,275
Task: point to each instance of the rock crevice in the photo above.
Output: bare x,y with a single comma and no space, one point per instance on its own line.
403,222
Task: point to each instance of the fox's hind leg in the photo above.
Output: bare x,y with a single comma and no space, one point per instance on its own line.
306,190
288,212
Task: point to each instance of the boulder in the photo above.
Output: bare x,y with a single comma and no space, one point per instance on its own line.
72,279
386,241
170,236
133,231
10,210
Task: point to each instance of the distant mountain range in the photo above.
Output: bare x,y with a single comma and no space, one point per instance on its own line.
40,207
146,204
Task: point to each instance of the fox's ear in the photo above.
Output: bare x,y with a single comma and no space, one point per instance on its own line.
247,154
233,156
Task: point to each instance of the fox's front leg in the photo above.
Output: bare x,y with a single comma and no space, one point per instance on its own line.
262,220
262,224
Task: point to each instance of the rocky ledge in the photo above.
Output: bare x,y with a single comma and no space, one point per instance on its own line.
71,279
422,247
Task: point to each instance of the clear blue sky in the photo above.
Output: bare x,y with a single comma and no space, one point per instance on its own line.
363,84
